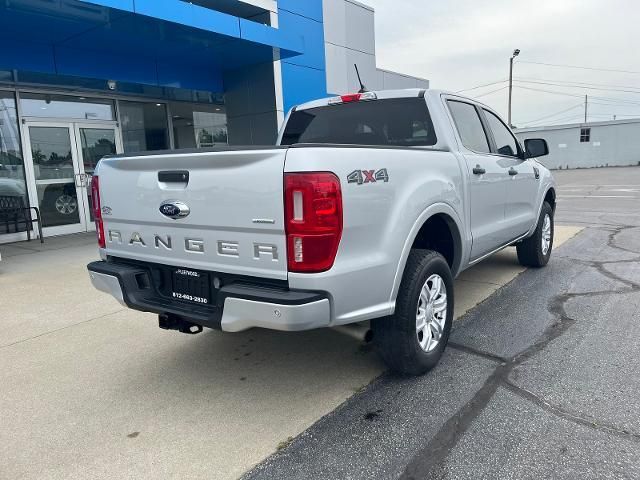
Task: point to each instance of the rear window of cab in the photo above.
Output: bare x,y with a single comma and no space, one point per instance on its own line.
400,122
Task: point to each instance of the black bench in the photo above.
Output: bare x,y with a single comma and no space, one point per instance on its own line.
13,211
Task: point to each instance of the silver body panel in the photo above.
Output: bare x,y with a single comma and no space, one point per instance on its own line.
233,196
107,284
226,192
240,314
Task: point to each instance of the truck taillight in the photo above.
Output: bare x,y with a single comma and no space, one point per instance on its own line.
97,211
353,97
313,220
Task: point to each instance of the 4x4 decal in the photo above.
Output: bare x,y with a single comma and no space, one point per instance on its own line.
368,176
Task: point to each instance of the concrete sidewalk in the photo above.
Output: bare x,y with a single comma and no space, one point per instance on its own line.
92,390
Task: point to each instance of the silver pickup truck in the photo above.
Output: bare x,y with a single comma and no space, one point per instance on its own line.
366,209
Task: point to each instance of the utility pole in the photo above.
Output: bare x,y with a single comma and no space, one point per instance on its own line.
586,107
516,52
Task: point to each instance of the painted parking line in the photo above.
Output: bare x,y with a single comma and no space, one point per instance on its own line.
599,185
112,396
597,196
627,190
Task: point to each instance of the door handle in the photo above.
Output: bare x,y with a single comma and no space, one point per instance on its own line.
478,170
513,172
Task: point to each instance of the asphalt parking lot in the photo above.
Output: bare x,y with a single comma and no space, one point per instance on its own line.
540,380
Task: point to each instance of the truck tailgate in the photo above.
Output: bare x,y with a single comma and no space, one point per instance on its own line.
236,214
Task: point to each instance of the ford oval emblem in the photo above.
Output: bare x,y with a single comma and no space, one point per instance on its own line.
174,209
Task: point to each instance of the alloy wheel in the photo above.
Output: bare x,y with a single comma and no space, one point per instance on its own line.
431,314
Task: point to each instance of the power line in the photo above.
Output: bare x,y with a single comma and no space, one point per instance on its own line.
492,91
577,86
560,121
617,105
614,115
554,114
529,84
549,91
630,102
480,86
571,83
580,67
577,116
616,100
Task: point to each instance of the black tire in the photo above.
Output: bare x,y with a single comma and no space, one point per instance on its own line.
396,337
530,250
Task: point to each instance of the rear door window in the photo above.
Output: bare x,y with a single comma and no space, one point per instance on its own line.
401,122
469,126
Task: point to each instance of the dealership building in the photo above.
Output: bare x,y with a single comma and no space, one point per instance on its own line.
80,79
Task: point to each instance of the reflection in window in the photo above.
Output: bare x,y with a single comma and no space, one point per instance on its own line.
198,125
96,143
64,106
54,173
469,126
236,9
12,183
397,122
505,142
144,126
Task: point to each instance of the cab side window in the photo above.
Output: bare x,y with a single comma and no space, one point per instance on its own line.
469,126
506,144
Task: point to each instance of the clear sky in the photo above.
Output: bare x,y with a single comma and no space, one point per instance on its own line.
460,44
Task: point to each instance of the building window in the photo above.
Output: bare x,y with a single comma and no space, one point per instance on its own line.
64,106
585,135
144,126
198,126
6,76
12,181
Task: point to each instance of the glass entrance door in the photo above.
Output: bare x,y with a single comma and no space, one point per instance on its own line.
55,167
64,156
93,144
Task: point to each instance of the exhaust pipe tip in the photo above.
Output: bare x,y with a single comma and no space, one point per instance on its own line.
359,331
368,337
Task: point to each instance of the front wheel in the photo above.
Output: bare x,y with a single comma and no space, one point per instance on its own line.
412,340
535,251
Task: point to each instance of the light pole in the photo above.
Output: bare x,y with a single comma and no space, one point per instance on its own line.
516,52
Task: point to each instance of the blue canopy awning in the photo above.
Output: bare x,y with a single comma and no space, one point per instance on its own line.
157,42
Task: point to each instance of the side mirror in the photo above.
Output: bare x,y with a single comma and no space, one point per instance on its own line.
536,147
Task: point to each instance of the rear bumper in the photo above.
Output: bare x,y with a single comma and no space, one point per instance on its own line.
237,306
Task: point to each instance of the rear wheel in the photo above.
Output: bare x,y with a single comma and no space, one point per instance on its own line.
535,251
412,340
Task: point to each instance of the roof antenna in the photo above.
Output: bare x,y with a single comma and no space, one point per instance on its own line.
363,89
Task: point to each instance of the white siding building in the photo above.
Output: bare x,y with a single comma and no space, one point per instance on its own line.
587,145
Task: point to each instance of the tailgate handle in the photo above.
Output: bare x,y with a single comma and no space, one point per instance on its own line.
174,176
